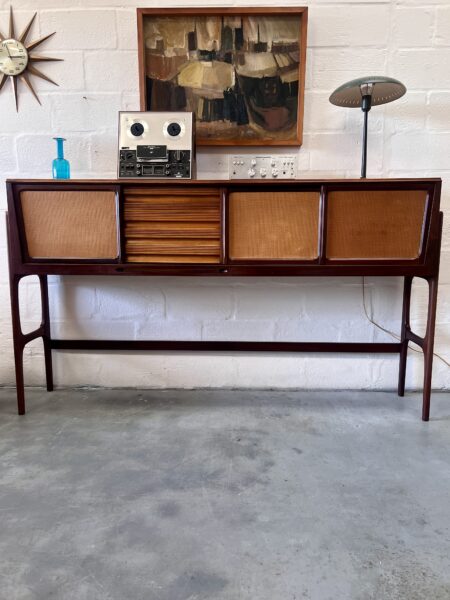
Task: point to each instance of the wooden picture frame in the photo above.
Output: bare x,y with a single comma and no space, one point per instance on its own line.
240,70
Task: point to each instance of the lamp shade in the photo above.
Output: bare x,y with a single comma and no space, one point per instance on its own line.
381,89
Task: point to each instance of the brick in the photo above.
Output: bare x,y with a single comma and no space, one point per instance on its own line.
271,302
103,152
172,329
130,101
239,330
444,272
70,302
348,371
408,113
7,154
422,69
4,270
286,371
36,153
129,299
355,120
106,329
419,151
412,27
351,25
332,67
68,73
321,115
198,371
442,35
438,111
111,72
126,29
2,230
85,111
86,29
342,151
199,303
30,117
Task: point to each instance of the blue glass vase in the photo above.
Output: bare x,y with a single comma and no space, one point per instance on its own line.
60,166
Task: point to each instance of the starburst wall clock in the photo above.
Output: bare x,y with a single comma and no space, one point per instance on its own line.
17,60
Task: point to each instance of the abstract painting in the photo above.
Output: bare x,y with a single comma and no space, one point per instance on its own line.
241,71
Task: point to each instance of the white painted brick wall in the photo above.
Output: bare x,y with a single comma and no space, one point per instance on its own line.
407,39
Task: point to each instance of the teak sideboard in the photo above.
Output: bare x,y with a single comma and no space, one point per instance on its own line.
377,227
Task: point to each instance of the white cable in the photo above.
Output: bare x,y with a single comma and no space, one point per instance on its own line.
391,333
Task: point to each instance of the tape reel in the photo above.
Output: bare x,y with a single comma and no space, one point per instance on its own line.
173,129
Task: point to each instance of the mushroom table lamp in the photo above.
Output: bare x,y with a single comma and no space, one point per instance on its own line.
364,93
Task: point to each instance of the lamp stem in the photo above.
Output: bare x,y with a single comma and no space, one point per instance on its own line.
366,104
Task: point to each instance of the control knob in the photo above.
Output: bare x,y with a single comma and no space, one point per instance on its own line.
251,172
275,172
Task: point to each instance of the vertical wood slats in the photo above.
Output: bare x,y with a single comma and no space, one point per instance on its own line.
169,225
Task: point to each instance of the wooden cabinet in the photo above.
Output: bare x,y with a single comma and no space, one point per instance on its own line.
222,229
231,227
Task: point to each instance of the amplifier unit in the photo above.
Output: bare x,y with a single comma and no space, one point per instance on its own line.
156,145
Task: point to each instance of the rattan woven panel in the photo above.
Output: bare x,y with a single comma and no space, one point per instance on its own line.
274,225
371,224
70,224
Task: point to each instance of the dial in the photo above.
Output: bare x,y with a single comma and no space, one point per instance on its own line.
13,57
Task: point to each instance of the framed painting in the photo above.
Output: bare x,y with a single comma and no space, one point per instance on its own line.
240,70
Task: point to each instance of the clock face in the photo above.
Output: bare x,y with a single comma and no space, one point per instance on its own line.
13,57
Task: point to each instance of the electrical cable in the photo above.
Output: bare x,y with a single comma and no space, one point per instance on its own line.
391,333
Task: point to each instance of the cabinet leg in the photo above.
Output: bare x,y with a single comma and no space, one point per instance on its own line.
18,343
46,332
403,339
428,346
20,386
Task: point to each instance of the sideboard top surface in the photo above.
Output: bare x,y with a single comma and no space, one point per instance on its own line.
223,182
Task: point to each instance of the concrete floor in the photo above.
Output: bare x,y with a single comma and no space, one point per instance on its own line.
224,495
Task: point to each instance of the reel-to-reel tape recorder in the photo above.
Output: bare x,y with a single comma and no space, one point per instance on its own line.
156,144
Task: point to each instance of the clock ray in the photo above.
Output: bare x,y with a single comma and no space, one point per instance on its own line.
38,58
12,32
39,41
23,36
14,87
38,73
26,80
17,61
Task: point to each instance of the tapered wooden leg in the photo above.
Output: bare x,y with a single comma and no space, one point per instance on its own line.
46,332
428,346
20,386
403,340
18,343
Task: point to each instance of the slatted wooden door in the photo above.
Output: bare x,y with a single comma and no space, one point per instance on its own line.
170,225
